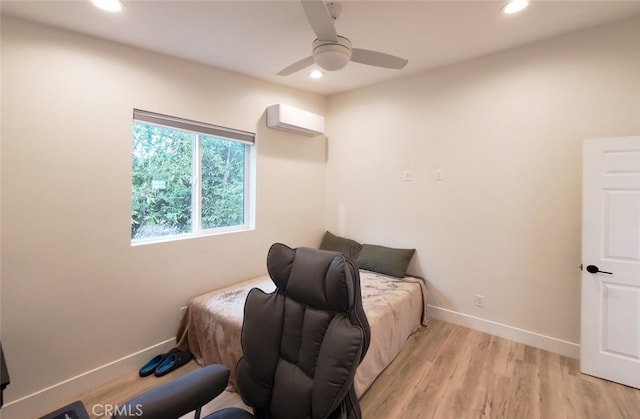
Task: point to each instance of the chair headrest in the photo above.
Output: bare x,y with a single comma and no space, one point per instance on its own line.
319,278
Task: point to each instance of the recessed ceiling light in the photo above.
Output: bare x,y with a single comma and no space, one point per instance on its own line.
316,74
515,6
108,5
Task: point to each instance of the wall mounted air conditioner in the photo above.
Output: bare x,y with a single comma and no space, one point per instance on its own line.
291,119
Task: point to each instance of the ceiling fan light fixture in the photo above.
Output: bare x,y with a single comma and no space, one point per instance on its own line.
332,56
332,60
316,74
331,51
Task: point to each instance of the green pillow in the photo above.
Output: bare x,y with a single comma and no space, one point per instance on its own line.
347,247
385,260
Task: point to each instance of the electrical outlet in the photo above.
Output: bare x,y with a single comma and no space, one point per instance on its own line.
183,310
479,300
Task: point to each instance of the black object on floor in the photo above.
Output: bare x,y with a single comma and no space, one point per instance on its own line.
4,374
74,410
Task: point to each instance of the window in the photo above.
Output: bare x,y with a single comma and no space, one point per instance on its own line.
188,178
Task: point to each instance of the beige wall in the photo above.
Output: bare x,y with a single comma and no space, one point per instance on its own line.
506,130
75,294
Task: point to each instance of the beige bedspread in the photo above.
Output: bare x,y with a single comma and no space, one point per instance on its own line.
395,308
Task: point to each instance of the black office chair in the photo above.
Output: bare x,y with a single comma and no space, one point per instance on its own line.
302,345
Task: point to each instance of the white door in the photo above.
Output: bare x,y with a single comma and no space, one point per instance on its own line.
610,329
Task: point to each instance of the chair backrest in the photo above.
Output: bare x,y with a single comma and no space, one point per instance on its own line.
303,343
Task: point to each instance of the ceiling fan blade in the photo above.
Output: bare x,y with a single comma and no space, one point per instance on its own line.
320,20
297,66
378,59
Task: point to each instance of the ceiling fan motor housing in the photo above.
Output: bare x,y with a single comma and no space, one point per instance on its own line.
331,55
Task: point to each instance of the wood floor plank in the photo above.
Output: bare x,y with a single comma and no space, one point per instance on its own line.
447,371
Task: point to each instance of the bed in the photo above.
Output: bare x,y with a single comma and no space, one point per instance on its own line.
395,308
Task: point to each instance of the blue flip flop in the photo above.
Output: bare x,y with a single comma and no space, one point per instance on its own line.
172,362
150,367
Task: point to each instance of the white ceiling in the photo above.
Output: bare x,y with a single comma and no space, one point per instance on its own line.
260,38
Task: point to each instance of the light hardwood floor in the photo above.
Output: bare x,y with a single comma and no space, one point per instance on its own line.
452,372
449,371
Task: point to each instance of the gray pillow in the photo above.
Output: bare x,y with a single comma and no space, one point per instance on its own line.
347,247
385,260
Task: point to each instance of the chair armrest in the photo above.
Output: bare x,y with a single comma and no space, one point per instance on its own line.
178,397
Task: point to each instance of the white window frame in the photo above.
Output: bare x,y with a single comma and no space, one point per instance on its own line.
203,129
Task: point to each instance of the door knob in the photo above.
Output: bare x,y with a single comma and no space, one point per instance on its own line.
593,269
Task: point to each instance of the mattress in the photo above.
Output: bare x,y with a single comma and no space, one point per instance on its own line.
395,308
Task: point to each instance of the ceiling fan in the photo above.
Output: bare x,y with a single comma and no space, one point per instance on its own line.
332,51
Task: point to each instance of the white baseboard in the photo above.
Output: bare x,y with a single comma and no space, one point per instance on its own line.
558,346
57,395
